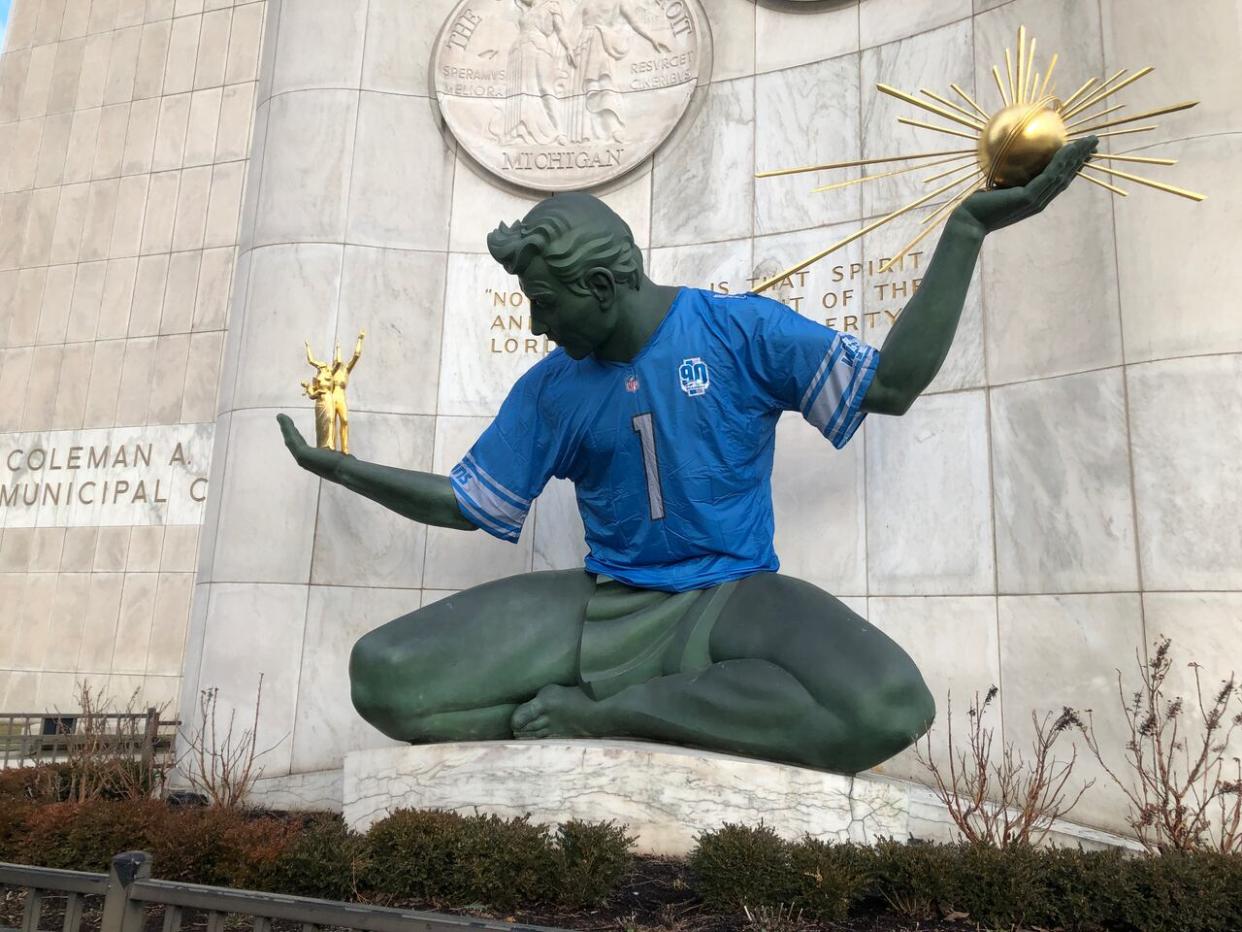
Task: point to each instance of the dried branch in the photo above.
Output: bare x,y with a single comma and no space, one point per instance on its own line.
224,768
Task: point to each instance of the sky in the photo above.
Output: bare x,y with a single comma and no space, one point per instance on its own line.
4,19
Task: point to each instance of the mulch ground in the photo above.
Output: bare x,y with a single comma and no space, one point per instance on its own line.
656,897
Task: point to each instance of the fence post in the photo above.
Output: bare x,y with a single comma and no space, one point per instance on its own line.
119,913
148,739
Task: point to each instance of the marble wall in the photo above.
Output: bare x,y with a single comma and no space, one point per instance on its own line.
1065,494
124,140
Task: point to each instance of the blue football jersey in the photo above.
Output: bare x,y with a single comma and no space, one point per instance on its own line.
670,453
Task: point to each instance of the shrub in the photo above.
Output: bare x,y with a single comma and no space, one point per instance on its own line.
85,836
321,859
740,866
503,862
410,853
830,878
913,880
591,859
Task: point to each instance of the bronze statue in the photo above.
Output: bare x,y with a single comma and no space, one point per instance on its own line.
660,404
327,388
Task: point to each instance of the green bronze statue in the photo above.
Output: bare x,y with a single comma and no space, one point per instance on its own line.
660,404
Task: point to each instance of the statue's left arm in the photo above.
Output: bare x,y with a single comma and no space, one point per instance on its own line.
353,360
917,345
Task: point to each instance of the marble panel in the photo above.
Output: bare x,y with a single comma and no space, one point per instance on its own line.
110,143
57,297
75,374
53,145
180,549
722,267
168,379
268,48
242,62
557,533
1187,454
149,286
267,513
236,662
65,76
15,214
80,153
230,358
94,73
105,383
818,500
70,217
806,115
399,37
487,342
122,65
190,220
881,21
1064,506
41,387
131,207
14,66
45,549
15,552
23,22
359,542
112,550
666,796
211,302
187,7
103,16
118,296
791,34
152,57
182,55
8,295
1172,256
78,554
928,482
713,150
236,116
300,792
293,293
213,47
326,727
134,393
401,187
211,515
460,559
25,159
396,296
200,135
320,44
128,13
202,377
954,642
40,224
14,373
183,273
1065,650
133,631
1195,57
933,59
306,167
87,296
100,218
169,621
159,691
169,151
28,305
38,86
161,213
827,291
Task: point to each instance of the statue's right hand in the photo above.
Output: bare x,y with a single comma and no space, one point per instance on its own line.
323,463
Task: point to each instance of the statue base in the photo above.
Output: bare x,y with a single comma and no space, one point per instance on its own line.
664,795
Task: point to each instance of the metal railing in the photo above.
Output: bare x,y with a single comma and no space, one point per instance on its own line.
49,737
129,891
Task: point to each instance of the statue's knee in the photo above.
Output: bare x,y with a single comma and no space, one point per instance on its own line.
898,712
370,668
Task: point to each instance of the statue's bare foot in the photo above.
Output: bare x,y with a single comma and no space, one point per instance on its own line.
557,711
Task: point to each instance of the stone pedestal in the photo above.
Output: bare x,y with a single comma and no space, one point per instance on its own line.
666,796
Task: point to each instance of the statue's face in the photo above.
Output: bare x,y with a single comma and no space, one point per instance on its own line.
578,324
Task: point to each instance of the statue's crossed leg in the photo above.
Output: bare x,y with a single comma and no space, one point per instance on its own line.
789,673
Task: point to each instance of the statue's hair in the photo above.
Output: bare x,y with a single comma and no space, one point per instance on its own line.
573,233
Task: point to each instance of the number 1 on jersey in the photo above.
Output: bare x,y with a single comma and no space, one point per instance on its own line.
644,426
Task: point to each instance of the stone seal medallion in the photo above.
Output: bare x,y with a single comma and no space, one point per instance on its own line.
560,95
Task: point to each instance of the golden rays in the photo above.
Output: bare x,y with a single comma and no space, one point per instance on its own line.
1011,145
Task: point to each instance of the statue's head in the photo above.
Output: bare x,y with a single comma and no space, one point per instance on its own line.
573,256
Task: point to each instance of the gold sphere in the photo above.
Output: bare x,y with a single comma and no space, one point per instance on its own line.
1020,141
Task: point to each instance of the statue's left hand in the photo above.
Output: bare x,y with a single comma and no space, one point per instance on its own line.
323,463
992,210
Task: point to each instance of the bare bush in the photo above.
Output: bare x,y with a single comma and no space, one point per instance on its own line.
222,766
1183,788
1010,801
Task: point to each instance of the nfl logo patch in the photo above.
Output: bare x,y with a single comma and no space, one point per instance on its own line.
694,377
631,384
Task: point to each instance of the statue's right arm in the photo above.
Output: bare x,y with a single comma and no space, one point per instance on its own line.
419,496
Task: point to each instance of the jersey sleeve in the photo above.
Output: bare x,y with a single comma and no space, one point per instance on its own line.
508,466
805,366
